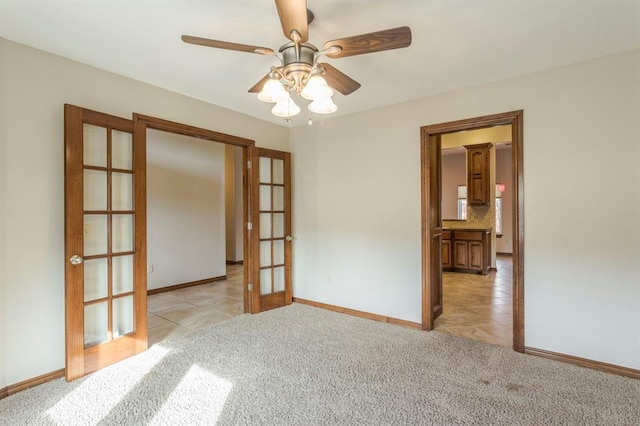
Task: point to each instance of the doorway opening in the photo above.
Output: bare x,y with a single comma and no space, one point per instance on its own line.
432,217
194,234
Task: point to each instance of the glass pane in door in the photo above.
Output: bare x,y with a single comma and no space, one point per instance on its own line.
95,279
121,191
122,233
95,234
265,197
265,225
265,281
278,198
278,279
96,328
278,252
278,225
121,150
278,171
265,170
94,146
122,274
122,316
94,186
265,253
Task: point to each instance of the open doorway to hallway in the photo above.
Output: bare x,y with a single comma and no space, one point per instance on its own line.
195,233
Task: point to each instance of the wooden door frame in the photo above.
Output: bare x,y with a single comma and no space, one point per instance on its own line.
515,119
143,122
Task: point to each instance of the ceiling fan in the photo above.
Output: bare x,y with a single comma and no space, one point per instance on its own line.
300,72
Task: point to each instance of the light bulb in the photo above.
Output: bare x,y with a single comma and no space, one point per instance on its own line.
323,106
316,88
273,91
285,108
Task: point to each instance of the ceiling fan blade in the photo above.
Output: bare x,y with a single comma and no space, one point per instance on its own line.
258,86
393,38
293,16
339,80
227,45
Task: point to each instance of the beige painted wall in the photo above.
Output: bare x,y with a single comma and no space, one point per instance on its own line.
36,86
358,229
233,203
454,174
185,209
3,295
503,175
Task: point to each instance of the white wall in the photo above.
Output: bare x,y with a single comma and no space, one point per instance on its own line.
357,204
36,86
185,209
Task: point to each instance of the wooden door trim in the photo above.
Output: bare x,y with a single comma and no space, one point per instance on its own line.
515,119
144,122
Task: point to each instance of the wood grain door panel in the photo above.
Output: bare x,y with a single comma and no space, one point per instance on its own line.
105,241
271,230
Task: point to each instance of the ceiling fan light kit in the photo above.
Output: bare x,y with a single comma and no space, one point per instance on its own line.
300,72
323,106
316,88
285,109
273,91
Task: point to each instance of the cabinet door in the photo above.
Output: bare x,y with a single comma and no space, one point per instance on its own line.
446,254
478,174
475,255
460,257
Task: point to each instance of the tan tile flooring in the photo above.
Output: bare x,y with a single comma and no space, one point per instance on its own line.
178,312
475,306
479,306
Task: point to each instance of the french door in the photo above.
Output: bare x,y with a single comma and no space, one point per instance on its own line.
271,230
105,241
105,233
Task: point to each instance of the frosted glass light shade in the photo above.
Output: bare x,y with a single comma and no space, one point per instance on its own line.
273,91
323,106
316,88
285,108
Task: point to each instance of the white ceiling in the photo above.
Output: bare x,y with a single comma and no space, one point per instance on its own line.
456,43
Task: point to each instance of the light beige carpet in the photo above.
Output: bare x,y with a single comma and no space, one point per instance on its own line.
302,365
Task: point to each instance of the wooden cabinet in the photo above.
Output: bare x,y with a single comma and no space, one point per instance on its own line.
479,174
466,250
446,250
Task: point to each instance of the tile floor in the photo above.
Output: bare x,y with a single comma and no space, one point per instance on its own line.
475,306
178,312
479,306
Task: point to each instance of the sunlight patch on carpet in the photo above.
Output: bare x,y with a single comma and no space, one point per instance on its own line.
198,388
80,402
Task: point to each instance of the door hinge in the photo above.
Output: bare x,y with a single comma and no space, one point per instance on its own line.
248,164
249,226
250,287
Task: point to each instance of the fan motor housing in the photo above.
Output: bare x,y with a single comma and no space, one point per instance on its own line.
297,63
